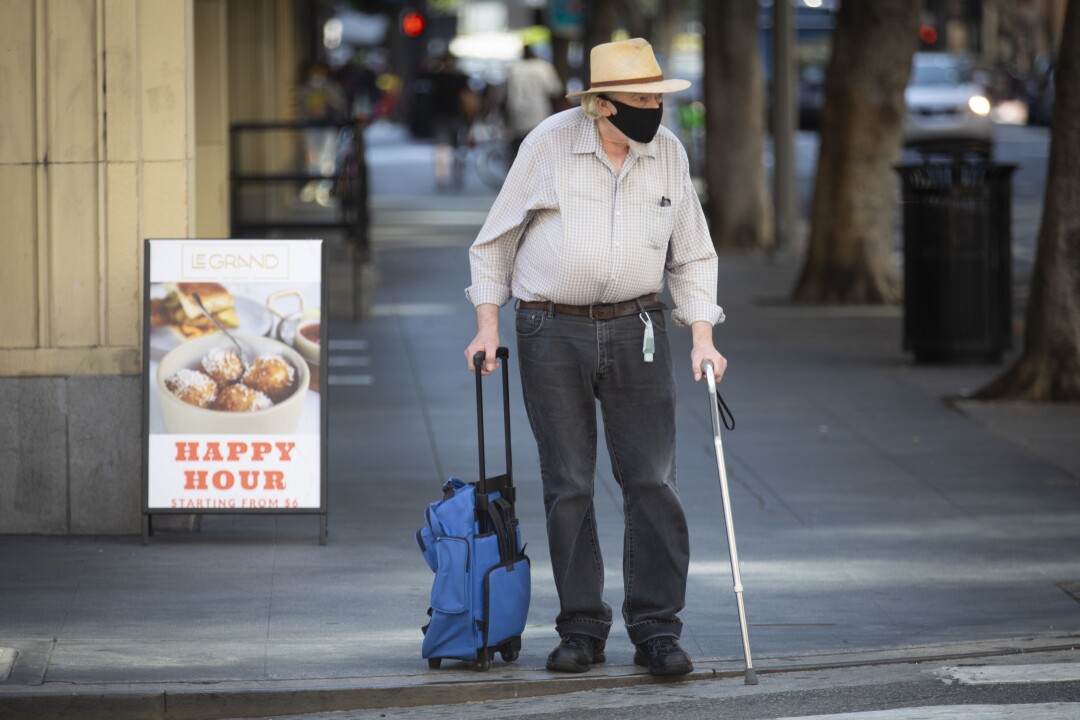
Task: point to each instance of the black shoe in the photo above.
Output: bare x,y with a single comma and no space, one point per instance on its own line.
663,656
576,653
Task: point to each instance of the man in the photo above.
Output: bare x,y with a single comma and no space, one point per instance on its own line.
532,85
597,211
320,97
453,108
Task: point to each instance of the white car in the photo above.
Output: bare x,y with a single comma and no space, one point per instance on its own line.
945,106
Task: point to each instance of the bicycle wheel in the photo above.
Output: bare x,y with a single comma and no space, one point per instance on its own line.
493,164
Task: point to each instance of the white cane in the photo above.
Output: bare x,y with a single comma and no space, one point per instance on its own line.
714,407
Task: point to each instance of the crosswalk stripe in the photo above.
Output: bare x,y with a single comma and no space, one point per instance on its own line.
349,361
1001,674
1041,711
348,344
416,309
346,355
351,379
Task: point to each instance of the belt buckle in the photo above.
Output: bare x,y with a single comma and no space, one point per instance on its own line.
603,311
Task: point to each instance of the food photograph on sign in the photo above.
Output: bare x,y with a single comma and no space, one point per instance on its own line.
235,358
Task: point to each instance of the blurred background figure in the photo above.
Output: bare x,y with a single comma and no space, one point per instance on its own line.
454,105
320,97
358,80
533,91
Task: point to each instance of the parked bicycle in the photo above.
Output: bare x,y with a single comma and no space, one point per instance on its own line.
350,186
490,143
486,145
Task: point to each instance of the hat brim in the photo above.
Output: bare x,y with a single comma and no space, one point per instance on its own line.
662,86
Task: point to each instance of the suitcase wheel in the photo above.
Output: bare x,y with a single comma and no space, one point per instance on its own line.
483,662
510,649
434,663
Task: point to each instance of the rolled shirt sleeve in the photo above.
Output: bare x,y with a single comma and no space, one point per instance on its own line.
492,261
692,263
494,252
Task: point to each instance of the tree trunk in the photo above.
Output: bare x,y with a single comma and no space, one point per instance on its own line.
601,21
739,209
665,26
850,254
635,20
560,56
1049,368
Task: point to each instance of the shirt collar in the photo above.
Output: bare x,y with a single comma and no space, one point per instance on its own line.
588,141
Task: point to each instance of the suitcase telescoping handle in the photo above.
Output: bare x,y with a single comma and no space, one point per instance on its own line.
503,354
717,407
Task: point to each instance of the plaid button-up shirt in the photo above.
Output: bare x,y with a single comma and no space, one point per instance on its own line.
566,229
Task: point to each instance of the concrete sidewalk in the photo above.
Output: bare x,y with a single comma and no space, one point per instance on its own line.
875,521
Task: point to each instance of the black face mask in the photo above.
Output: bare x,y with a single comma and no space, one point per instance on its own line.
636,123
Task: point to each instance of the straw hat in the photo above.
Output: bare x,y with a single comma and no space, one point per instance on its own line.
627,66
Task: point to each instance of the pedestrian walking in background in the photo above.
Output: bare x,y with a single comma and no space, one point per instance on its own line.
596,214
319,97
454,106
533,92
357,79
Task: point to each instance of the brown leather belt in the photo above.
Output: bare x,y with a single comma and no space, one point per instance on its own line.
601,311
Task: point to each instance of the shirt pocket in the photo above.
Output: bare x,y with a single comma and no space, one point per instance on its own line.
656,223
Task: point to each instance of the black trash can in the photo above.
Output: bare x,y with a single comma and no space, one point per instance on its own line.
957,222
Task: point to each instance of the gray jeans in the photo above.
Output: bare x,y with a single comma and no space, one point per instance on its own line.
567,364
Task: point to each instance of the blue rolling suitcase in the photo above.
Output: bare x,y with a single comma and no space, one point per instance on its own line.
471,540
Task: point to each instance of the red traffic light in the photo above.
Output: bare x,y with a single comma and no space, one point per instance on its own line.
928,34
412,24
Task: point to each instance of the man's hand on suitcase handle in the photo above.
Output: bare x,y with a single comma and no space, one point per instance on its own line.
483,359
486,340
478,359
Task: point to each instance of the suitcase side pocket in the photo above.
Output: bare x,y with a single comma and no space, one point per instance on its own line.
508,589
449,591
425,541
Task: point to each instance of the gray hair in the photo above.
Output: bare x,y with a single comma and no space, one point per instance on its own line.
589,107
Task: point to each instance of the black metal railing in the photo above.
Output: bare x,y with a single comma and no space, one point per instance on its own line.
276,188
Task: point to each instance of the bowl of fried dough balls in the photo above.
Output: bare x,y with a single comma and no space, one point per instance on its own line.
205,387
